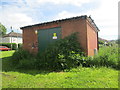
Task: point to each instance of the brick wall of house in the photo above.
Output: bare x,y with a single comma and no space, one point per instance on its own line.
91,39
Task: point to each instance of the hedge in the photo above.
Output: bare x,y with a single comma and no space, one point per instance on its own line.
14,45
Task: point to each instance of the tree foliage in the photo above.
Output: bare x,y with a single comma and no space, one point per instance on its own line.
2,30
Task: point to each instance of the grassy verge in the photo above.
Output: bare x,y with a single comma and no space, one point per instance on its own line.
76,78
4,54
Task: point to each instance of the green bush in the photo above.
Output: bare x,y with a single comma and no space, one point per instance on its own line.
27,63
62,54
19,46
19,56
101,41
107,56
65,54
14,45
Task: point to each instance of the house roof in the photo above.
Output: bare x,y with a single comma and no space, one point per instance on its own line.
13,34
61,20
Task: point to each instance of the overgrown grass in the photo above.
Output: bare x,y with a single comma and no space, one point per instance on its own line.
5,57
23,70
107,56
75,78
4,54
58,56
80,77
65,54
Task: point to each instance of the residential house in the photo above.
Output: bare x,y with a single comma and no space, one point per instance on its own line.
12,37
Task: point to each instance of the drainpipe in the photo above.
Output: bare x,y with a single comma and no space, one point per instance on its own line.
97,42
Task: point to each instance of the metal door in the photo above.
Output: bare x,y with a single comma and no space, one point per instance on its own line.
48,36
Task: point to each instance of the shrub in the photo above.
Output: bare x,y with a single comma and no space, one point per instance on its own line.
19,46
65,54
19,56
107,56
14,45
27,63
62,54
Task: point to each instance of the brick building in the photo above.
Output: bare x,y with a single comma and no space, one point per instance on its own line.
37,37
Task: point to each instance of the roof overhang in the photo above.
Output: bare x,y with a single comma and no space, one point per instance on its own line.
93,23
58,21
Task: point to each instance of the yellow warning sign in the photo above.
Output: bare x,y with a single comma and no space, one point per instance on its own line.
54,36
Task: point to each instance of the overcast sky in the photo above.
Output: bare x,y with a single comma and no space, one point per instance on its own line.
19,13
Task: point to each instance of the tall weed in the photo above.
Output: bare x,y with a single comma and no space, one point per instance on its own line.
107,56
65,54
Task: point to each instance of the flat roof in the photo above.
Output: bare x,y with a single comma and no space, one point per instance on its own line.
61,20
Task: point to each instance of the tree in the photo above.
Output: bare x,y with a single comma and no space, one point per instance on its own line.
118,41
3,30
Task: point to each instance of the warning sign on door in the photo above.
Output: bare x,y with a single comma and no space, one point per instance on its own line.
54,36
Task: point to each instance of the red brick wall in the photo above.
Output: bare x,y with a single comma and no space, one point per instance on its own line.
30,37
91,39
76,26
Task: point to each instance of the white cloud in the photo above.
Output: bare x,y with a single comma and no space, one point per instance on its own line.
11,15
106,17
58,2
15,20
15,13
65,14
21,13
19,19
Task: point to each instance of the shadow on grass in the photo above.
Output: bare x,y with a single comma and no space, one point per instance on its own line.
7,67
